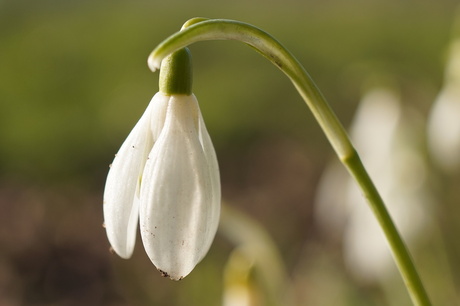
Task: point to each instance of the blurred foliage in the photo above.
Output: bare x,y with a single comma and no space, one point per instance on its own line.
74,80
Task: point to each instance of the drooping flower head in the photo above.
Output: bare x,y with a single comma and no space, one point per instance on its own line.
166,176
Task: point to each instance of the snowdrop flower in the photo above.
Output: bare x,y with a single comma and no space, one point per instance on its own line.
166,176
385,139
444,119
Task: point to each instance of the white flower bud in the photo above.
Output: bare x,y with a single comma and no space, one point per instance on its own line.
166,172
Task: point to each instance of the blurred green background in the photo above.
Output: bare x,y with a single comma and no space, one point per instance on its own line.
74,81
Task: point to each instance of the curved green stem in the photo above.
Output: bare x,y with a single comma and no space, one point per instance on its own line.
219,29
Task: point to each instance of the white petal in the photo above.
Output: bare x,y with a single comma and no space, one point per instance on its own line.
121,194
213,169
158,114
176,207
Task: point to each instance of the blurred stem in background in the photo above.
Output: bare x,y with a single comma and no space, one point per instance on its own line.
254,251
201,29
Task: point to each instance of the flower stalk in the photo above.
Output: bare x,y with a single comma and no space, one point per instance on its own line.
176,73
201,29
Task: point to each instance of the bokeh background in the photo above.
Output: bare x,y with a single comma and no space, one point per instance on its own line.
74,81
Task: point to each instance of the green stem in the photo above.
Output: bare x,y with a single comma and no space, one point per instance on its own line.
176,73
219,29
401,254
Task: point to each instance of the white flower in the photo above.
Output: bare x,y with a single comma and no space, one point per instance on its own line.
165,175
443,121
384,132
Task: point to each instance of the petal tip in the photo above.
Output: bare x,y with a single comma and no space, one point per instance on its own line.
171,277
